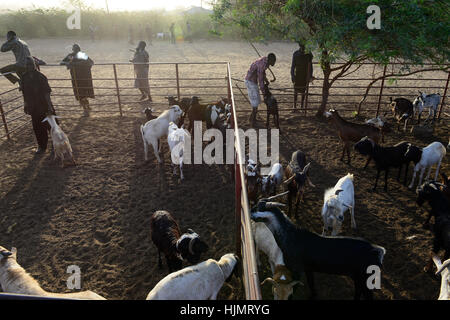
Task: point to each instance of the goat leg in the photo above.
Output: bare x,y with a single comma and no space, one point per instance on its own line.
367,162
386,171
159,259
310,279
376,180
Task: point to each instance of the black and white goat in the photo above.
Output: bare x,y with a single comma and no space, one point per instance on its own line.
385,157
440,209
167,237
425,158
149,114
423,101
305,251
403,110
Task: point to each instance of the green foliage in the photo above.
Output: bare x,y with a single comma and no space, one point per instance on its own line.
413,31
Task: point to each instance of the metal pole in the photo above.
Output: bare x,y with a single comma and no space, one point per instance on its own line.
443,98
381,91
4,121
117,89
307,90
178,81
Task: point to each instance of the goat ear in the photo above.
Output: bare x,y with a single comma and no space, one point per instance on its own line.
45,119
338,191
269,280
14,251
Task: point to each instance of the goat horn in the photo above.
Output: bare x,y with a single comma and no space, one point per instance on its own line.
306,168
278,195
289,180
274,205
270,280
443,266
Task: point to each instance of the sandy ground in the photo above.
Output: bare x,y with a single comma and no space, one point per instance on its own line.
96,215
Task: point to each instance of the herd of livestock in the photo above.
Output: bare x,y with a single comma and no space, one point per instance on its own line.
291,250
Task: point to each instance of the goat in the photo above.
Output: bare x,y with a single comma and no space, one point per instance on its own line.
440,209
149,114
272,109
61,144
445,188
252,180
270,182
296,174
385,157
336,201
444,270
202,281
350,132
282,283
425,158
402,110
207,113
157,128
176,140
166,236
184,104
430,101
14,279
380,123
305,251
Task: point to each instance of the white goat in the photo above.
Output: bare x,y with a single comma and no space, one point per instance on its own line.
14,279
423,101
336,201
282,283
444,270
377,122
176,139
155,129
202,281
425,158
61,144
270,182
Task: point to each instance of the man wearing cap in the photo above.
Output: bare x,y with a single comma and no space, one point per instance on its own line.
256,75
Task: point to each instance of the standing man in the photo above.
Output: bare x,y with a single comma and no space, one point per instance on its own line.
148,31
80,66
37,103
21,52
140,61
189,35
301,73
172,33
256,75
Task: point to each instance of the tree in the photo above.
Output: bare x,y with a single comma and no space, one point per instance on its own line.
413,31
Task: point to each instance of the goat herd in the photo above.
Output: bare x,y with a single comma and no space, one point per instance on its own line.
291,250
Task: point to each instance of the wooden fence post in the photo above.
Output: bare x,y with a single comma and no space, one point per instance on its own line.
117,89
178,81
381,90
443,98
4,121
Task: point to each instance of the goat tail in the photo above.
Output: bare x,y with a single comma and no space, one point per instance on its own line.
381,252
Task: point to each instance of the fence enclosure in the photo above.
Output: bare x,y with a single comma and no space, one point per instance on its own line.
115,94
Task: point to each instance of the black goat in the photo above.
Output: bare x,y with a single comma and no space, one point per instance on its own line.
209,113
272,109
296,178
385,157
149,114
305,251
440,209
167,237
402,109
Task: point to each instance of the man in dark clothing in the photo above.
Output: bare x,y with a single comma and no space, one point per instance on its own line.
80,71
140,61
21,52
301,73
172,33
37,103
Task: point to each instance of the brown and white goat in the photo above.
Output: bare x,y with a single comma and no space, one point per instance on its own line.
296,178
350,132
